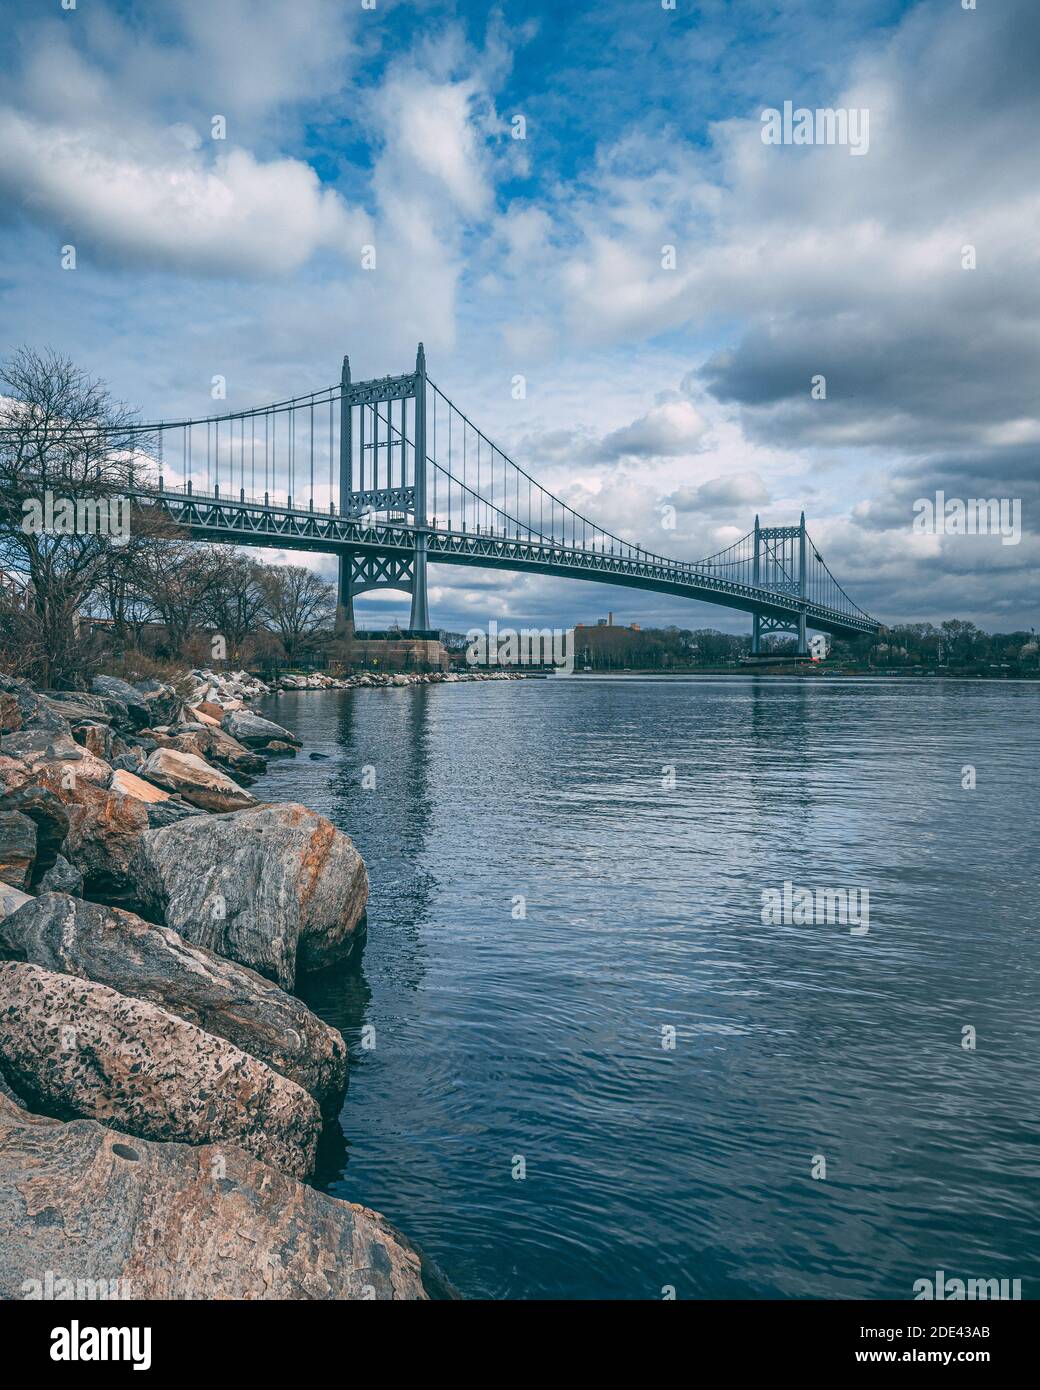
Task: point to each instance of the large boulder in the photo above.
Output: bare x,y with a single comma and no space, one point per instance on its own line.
254,731
37,746
79,708
73,1048
99,740
104,827
138,709
34,711
163,701
193,779
120,950
278,888
17,848
167,1221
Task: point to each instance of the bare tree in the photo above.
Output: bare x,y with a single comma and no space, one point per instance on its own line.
177,582
234,608
64,444
298,605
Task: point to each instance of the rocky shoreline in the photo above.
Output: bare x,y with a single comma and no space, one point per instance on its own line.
242,686
162,1091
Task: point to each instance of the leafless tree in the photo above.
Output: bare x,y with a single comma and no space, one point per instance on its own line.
62,434
298,605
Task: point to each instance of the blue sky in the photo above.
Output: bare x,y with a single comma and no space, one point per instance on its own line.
542,256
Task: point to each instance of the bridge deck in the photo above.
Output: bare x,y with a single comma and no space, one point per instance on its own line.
256,524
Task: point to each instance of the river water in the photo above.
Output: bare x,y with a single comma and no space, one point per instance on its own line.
597,1071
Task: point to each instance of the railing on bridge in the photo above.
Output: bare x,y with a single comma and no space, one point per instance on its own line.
397,456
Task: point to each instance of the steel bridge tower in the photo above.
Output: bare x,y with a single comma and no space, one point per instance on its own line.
780,565
390,478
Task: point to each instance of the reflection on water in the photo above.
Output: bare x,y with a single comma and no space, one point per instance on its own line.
500,1036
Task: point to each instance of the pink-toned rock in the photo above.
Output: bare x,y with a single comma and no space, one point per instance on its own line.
72,1048
168,1221
129,785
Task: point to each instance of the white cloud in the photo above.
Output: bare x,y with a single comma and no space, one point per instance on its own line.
671,428
153,201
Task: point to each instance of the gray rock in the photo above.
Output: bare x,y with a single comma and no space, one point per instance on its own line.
254,731
278,888
37,746
61,877
164,813
172,1222
163,701
47,812
115,948
77,709
138,709
130,761
77,1049
36,713
17,849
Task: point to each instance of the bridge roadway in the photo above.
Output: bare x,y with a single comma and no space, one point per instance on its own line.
256,523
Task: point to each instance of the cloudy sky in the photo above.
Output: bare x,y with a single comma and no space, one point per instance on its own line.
652,379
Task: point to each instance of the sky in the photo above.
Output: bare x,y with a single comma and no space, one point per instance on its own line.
905,275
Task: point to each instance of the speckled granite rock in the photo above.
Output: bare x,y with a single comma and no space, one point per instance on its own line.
72,1048
174,1222
279,888
115,948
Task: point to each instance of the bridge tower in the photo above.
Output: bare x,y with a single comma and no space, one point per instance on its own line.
780,564
382,481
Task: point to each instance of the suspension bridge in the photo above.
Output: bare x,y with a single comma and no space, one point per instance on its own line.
390,476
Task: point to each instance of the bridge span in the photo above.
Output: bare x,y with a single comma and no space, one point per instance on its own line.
390,476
